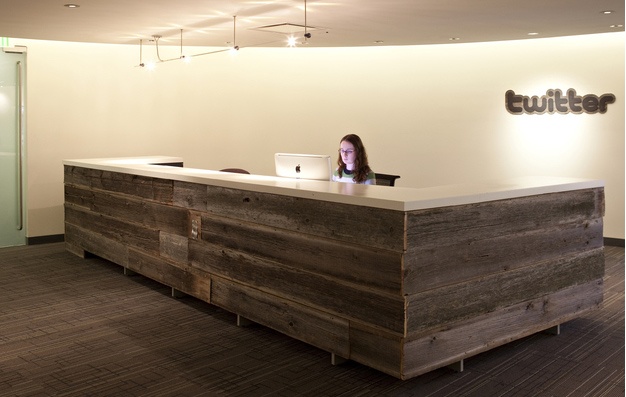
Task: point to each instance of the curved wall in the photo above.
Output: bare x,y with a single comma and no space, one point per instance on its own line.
433,114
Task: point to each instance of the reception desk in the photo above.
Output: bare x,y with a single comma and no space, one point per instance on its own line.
402,280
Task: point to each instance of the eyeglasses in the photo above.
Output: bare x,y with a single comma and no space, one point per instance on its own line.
346,151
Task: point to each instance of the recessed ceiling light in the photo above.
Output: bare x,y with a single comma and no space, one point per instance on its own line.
607,12
378,41
71,5
533,34
616,26
455,38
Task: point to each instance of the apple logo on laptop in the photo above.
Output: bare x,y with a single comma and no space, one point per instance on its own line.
298,169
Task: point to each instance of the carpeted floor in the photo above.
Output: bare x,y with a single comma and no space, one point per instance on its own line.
79,327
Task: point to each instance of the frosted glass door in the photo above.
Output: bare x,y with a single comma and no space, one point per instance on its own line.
12,214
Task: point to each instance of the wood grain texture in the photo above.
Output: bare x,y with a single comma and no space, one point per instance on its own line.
350,301
455,261
156,189
149,214
302,322
173,247
370,227
370,268
173,274
114,229
190,195
436,307
427,228
402,292
459,340
377,348
78,238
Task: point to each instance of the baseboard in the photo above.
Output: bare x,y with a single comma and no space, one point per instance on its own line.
614,242
54,238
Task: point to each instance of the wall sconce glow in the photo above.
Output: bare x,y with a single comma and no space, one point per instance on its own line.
549,144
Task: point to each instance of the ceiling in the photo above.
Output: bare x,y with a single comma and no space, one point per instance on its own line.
331,23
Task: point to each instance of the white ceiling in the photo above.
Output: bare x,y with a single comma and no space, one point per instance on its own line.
330,22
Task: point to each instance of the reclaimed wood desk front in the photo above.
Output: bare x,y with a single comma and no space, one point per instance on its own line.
401,280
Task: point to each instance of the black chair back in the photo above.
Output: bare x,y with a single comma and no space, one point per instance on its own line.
235,170
386,179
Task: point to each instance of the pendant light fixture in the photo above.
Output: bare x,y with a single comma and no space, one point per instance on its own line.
292,41
235,46
307,35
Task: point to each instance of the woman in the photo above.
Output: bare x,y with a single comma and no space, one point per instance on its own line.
352,162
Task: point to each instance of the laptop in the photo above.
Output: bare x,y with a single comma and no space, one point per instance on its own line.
303,166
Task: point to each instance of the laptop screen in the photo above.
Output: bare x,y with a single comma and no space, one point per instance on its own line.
303,166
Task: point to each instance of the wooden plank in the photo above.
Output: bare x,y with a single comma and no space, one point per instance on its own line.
376,349
438,307
79,176
133,185
318,328
75,249
370,227
79,196
156,189
190,195
163,191
174,247
456,261
172,274
441,226
151,215
130,234
464,339
350,301
371,268
89,241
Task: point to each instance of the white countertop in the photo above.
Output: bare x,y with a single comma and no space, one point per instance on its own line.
393,198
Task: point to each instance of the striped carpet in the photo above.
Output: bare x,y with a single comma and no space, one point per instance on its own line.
79,327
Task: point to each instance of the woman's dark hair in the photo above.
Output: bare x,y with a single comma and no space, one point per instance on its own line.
361,165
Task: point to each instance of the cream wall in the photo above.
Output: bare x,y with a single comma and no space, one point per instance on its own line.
433,114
